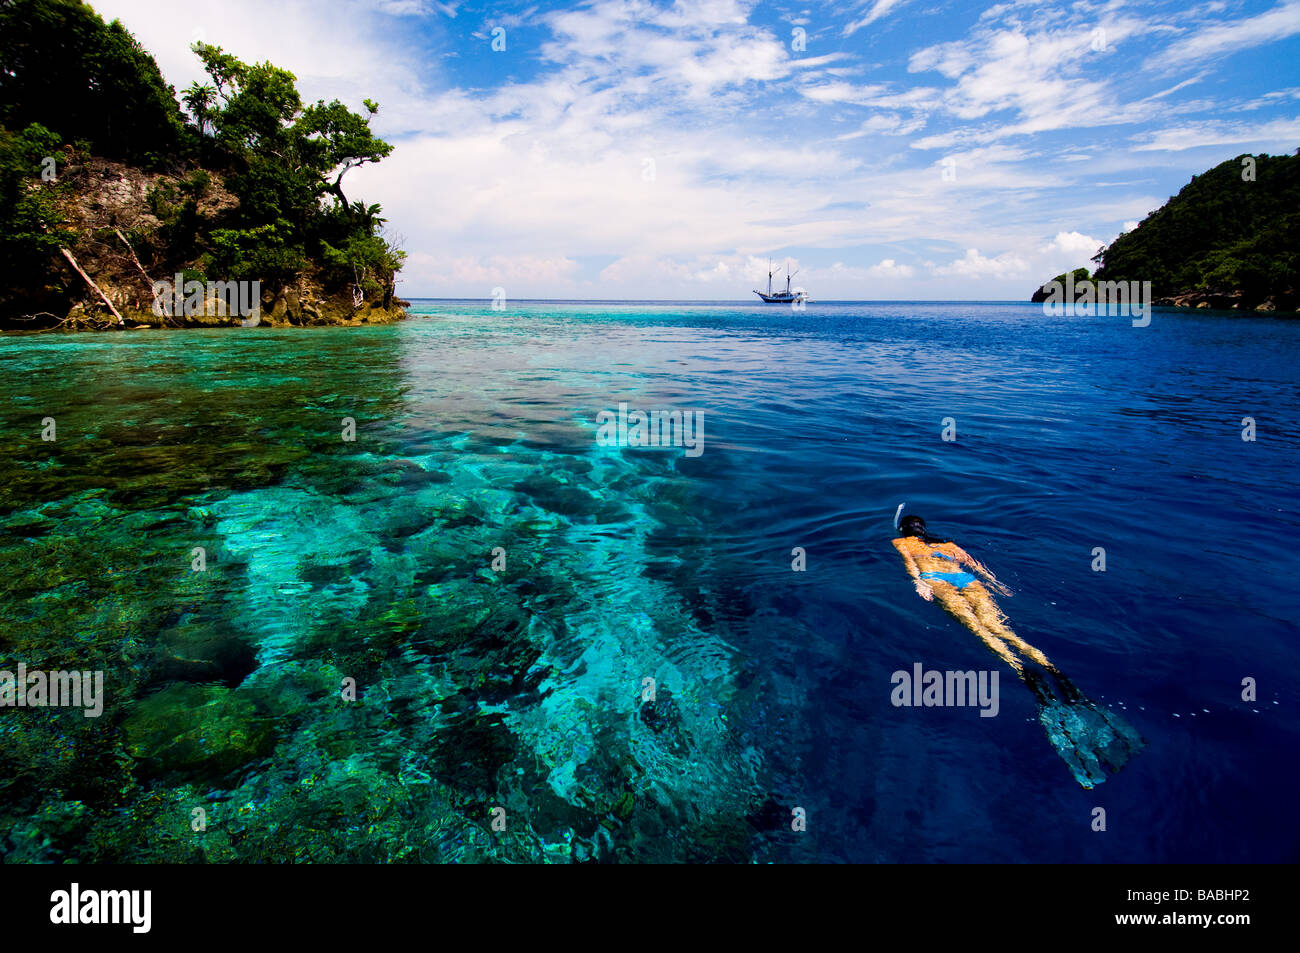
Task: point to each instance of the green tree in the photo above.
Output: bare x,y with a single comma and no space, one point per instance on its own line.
199,100
285,160
1233,228
31,225
65,68
68,77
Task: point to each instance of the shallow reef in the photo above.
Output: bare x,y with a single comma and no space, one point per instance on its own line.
353,675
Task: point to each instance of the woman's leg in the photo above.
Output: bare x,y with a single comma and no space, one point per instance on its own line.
952,600
991,617
1090,740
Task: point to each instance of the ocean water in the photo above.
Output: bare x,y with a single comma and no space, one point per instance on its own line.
503,712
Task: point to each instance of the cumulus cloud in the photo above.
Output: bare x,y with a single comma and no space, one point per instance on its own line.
888,269
1065,252
975,265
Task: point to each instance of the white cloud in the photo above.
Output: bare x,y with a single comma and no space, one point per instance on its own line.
1280,135
879,8
485,273
1037,72
841,92
885,124
1071,244
1065,252
888,269
694,47
975,265
302,37
1224,38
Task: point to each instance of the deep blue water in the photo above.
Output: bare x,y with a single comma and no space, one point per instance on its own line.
1071,433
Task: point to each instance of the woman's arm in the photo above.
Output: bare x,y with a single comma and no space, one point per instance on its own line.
979,567
922,587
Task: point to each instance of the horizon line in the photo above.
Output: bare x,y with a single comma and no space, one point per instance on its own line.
733,300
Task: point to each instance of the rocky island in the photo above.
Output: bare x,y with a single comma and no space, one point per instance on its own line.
1230,239
118,209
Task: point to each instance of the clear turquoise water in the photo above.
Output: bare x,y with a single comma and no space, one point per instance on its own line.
521,689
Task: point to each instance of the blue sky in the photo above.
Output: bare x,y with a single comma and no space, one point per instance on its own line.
887,148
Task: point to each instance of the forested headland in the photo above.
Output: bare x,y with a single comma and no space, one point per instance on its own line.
113,186
1229,239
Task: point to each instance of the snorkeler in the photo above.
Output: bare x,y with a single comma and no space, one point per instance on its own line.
1091,740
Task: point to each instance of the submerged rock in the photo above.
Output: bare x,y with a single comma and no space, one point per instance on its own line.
199,731
201,653
565,499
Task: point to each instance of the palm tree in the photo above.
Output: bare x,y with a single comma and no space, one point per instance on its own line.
199,100
367,215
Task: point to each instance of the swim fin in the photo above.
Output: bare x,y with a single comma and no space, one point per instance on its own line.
1092,741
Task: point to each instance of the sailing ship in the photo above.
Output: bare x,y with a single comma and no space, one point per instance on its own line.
782,297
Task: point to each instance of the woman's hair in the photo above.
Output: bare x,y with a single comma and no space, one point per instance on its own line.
915,526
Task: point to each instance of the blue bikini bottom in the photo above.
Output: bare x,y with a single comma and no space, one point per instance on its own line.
958,580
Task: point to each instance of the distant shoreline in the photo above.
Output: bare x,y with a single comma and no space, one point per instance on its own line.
407,312
827,301
747,302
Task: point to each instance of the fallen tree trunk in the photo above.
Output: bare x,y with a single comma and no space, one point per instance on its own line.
144,274
73,262
134,258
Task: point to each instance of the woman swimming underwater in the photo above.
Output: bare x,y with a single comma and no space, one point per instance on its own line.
1092,741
